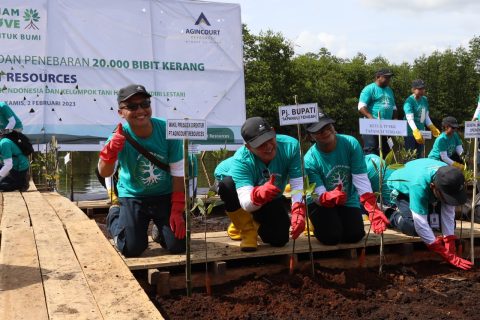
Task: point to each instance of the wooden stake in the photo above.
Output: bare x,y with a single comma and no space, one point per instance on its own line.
472,218
186,179
380,182
304,199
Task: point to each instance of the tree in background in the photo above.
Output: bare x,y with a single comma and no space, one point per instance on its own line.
273,75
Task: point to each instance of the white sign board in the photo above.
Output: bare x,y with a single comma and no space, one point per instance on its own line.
62,63
472,129
383,127
426,134
298,114
187,129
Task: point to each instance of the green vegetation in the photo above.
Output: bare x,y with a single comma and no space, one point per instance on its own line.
274,74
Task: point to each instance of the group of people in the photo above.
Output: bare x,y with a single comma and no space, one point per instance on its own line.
251,183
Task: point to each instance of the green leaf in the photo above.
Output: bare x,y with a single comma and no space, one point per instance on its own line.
211,193
396,166
390,158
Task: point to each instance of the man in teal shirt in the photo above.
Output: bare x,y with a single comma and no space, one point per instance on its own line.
377,100
145,191
259,171
13,168
335,164
426,181
417,114
8,119
448,146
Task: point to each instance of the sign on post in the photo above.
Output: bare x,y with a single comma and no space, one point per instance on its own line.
187,129
383,127
426,134
472,129
298,114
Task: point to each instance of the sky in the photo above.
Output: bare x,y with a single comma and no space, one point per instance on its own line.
399,30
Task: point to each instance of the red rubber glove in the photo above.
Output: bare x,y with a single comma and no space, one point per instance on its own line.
177,223
298,219
336,197
375,215
451,258
449,242
110,151
265,193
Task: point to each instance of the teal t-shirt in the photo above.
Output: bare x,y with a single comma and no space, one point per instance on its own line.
6,113
337,167
419,108
445,143
378,99
372,162
248,170
8,149
414,181
222,169
138,176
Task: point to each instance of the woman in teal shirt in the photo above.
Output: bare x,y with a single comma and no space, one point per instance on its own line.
448,146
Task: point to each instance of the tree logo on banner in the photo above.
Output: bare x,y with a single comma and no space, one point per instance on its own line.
32,16
202,19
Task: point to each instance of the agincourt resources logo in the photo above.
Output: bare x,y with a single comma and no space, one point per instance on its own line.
203,30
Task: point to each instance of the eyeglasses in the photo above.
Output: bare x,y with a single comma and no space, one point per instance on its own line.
145,104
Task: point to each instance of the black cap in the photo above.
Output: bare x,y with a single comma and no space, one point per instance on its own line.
131,90
451,183
418,84
450,121
256,131
384,72
323,120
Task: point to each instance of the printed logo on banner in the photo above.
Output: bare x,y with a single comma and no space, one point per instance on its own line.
202,19
202,33
15,26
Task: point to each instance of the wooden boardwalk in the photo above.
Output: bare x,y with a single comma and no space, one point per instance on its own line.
56,264
221,248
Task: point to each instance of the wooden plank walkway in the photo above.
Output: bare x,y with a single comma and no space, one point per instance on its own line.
221,248
56,264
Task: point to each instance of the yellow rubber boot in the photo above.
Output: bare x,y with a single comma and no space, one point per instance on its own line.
310,226
112,197
244,223
233,232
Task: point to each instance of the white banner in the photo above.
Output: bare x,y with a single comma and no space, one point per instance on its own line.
383,127
62,62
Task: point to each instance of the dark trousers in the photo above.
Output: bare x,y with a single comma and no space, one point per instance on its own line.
228,193
370,145
336,225
15,180
274,222
128,224
412,144
402,218
273,219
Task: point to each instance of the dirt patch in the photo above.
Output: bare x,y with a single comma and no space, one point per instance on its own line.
427,290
